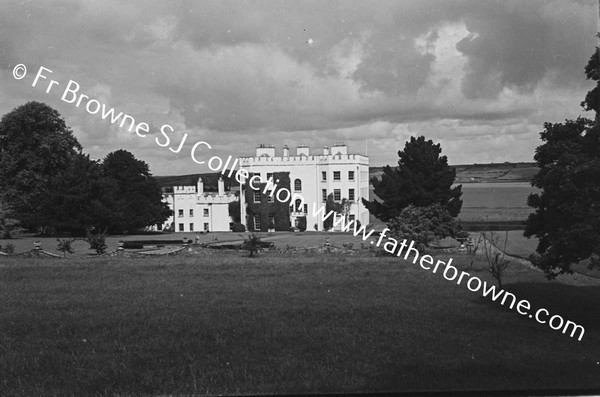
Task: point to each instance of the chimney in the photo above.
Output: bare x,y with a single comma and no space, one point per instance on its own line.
325,151
302,150
200,186
221,186
286,151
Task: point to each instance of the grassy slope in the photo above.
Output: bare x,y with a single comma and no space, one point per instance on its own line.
300,324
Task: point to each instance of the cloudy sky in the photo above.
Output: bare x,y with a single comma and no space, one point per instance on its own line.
480,77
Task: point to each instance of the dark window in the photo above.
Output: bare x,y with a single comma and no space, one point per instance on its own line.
191,213
297,206
323,175
257,197
257,222
350,175
306,208
337,194
181,213
297,185
351,194
205,226
191,227
205,212
337,176
324,193
269,197
181,227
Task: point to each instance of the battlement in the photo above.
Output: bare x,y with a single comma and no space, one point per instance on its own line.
184,189
324,159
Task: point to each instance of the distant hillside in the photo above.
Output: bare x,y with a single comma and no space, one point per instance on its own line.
494,172
465,173
209,180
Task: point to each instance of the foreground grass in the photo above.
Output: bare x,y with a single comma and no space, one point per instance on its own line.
227,324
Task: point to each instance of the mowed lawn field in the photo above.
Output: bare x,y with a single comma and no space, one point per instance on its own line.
227,324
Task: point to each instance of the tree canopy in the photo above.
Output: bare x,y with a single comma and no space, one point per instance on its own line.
48,182
36,148
422,178
567,211
137,201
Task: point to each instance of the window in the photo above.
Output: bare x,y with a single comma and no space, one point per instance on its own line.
323,176
350,175
191,213
205,212
324,194
269,176
257,222
231,226
191,227
297,206
337,176
271,220
257,197
351,218
269,196
337,194
181,213
306,208
351,194
181,227
205,226
297,185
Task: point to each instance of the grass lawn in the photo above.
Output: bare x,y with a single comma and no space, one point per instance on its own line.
330,323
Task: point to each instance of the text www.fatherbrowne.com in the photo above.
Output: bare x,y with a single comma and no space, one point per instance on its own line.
451,273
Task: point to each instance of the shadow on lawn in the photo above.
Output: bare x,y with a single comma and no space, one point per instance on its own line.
578,304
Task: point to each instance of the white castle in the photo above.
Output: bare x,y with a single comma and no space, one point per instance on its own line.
312,176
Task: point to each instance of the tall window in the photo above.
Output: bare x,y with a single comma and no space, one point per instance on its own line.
351,194
205,212
337,176
257,197
181,227
206,226
191,227
269,176
257,222
297,185
323,176
306,208
271,220
180,213
269,196
337,194
324,194
350,175
297,207
191,213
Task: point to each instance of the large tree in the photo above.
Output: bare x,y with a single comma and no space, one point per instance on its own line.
36,148
422,178
84,199
567,211
136,194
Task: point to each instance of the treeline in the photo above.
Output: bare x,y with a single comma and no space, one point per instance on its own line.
48,185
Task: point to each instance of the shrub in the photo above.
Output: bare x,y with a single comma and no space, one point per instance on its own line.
8,249
252,244
424,225
238,228
97,242
65,246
